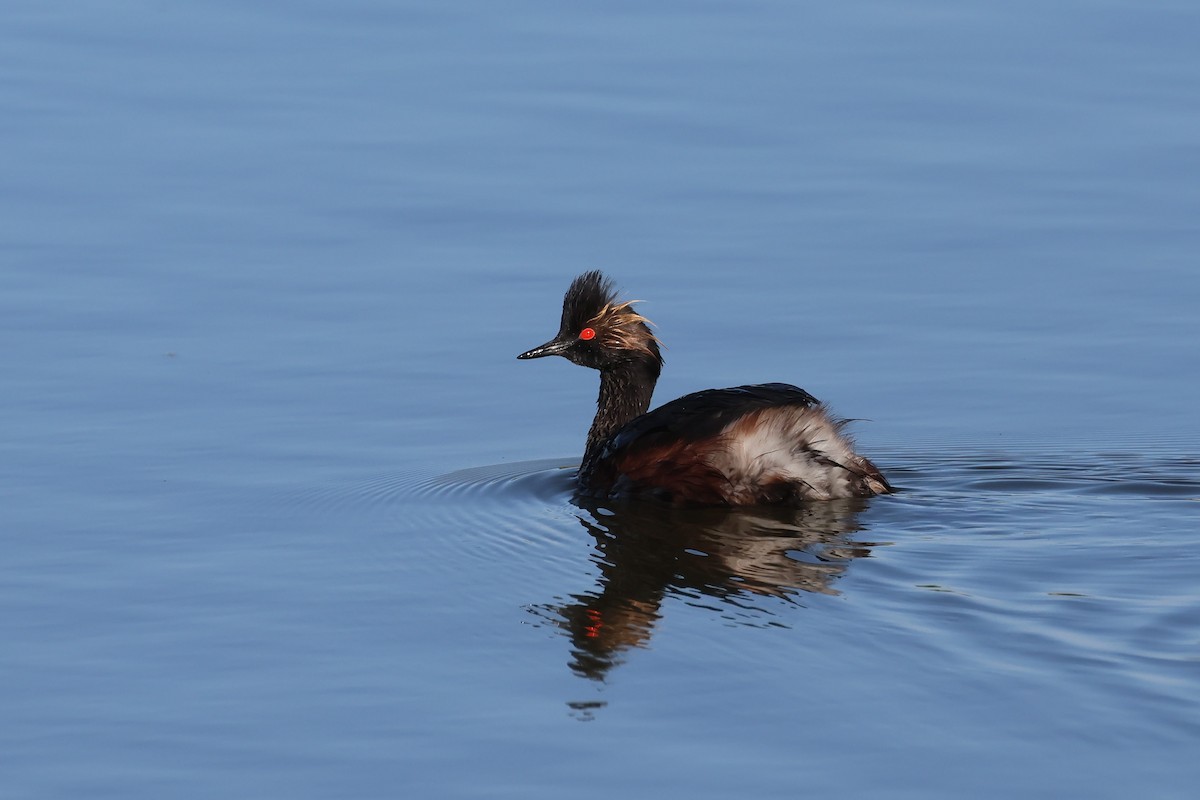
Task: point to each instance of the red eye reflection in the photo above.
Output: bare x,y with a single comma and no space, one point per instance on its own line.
587,334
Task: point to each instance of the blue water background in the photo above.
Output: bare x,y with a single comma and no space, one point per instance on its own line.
264,270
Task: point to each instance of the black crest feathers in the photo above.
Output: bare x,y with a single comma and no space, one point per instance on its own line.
591,302
589,295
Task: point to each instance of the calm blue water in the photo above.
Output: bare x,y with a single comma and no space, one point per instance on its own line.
283,517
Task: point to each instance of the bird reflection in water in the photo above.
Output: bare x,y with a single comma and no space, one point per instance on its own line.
747,560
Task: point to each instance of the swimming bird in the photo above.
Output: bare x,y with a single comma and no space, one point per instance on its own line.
769,443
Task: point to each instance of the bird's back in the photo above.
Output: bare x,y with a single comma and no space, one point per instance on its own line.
746,445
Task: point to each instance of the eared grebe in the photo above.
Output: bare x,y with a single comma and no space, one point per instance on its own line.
768,443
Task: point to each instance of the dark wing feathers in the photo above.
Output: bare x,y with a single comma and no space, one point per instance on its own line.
703,414
653,449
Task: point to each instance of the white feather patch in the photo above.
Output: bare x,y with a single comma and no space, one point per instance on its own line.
799,445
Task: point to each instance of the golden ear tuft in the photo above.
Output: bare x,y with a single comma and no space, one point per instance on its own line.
624,328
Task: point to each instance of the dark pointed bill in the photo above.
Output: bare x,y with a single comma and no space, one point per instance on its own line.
554,347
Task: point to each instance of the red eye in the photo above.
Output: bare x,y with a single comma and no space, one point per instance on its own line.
587,334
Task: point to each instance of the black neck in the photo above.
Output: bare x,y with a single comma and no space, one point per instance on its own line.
625,391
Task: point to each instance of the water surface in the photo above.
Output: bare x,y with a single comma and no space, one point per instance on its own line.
283,516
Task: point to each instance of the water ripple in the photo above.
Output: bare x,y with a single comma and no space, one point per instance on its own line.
520,485
1000,561
517,483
